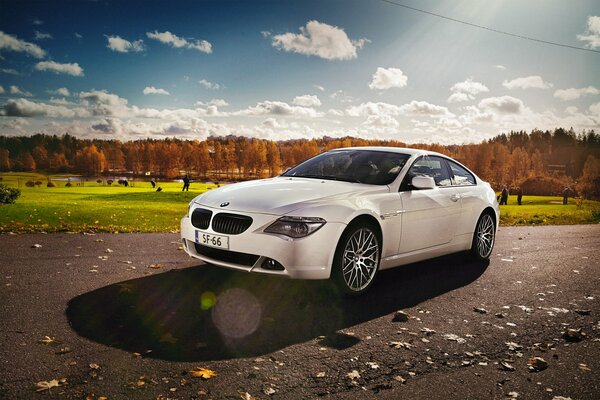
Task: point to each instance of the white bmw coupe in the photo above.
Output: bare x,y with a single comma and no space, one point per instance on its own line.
345,214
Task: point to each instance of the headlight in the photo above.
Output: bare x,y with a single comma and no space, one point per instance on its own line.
296,227
189,208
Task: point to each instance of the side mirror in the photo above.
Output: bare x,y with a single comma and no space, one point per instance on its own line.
423,182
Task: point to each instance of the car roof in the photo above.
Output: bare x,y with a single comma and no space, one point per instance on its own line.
403,150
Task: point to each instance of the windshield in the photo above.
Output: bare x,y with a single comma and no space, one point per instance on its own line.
360,166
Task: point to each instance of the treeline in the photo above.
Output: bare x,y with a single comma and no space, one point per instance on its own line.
560,157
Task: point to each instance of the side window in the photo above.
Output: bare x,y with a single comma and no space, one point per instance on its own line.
429,166
461,176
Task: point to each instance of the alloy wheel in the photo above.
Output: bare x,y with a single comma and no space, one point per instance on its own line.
360,259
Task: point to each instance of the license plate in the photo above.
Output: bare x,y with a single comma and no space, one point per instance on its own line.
211,240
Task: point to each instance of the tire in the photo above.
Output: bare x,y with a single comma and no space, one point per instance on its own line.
483,238
356,259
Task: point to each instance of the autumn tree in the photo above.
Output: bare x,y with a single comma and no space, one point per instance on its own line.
58,162
4,160
40,155
90,160
273,158
589,183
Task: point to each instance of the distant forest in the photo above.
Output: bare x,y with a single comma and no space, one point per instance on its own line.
538,161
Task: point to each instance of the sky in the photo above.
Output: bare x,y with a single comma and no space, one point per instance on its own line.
298,69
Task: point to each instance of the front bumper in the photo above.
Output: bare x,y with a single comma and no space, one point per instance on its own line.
306,258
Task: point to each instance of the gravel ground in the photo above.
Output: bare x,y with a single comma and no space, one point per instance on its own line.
129,316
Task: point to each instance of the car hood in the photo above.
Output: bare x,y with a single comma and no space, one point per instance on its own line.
282,195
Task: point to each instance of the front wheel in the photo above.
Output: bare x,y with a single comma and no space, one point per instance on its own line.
483,238
356,261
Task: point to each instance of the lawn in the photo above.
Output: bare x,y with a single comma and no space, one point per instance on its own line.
97,207
546,210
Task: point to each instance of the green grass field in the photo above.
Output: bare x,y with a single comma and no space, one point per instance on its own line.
95,207
99,208
545,210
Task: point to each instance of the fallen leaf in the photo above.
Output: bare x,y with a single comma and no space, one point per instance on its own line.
455,338
480,310
269,391
506,366
203,373
400,316
320,375
47,340
354,374
47,385
247,396
36,246
108,251
537,364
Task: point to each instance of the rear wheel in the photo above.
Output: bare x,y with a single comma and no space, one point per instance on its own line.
356,261
484,237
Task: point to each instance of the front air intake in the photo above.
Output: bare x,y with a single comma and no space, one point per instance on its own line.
231,224
201,218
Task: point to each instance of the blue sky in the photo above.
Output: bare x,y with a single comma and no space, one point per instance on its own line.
297,69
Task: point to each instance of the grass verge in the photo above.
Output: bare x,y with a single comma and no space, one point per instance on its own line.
98,207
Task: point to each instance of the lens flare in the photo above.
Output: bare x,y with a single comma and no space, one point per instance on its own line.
207,300
237,313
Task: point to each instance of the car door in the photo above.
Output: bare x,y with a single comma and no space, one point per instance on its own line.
466,186
429,216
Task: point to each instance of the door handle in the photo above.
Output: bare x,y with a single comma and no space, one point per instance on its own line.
455,197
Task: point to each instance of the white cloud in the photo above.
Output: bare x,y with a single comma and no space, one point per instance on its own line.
42,35
307,100
100,102
424,108
214,102
78,35
387,78
60,91
58,68
153,90
319,87
16,90
502,105
575,93
12,43
466,90
279,108
595,109
342,96
321,40
117,43
500,66
9,71
60,102
2,91
527,82
26,108
210,85
381,120
16,124
37,21
179,42
592,36
459,97
415,108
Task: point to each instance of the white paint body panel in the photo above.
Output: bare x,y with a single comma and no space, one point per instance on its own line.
415,225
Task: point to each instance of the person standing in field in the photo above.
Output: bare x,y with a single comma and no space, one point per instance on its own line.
519,195
504,196
565,194
153,183
186,183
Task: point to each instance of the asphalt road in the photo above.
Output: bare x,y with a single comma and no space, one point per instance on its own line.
128,316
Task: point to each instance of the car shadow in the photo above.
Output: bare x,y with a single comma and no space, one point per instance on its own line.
209,313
